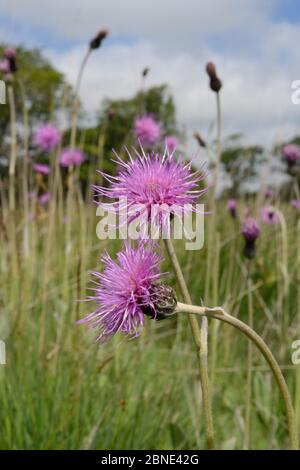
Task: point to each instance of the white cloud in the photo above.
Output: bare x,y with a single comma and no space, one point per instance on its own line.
257,58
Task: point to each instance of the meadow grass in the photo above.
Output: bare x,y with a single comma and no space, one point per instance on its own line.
61,390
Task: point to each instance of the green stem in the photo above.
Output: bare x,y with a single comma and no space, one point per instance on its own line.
220,314
249,365
13,147
75,106
200,338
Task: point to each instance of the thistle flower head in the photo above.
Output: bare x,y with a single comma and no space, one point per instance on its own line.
232,207
153,181
250,232
44,198
269,193
47,137
147,130
214,81
10,59
291,153
4,66
41,168
127,290
295,203
10,53
270,215
171,143
71,157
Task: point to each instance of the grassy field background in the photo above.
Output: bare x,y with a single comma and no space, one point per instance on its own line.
61,390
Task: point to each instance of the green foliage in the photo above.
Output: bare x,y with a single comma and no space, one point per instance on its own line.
117,116
37,84
241,162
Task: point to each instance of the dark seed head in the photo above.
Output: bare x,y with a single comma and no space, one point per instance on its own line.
96,42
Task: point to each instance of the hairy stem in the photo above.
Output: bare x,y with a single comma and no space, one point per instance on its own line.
200,338
220,314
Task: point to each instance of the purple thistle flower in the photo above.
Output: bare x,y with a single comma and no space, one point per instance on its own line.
269,193
41,168
10,53
171,143
291,153
44,198
270,215
148,130
71,157
295,203
31,194
31,216
232,207
125,291
47,137
250,232
4,66
152,187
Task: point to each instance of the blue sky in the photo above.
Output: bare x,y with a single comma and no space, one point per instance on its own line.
253,42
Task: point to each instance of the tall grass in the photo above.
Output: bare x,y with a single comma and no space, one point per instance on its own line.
61,390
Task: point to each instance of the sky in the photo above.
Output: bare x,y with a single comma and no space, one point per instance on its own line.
254,43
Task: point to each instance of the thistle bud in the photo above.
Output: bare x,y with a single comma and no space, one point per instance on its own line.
199,139
250,232
211,70
145,72
163,302
96,42
10,58
214,83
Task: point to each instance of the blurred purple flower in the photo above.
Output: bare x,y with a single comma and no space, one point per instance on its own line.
171,143
270,215
291,153
4,66
147,130
250,232
124,291
71,157
41,168
10,56
295,203
31,216
47,137
10,53
31,194
154,183
44,198
269,193
232,207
